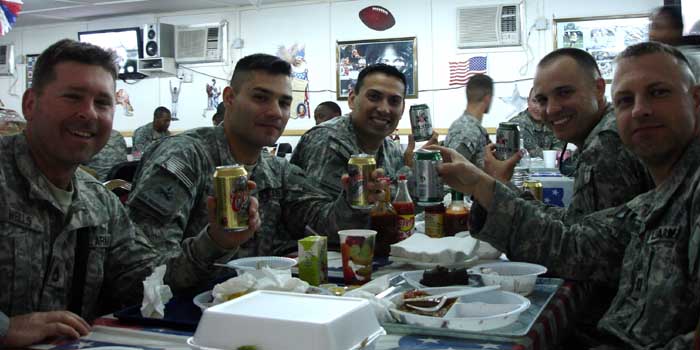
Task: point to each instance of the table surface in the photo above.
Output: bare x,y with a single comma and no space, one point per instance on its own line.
108,333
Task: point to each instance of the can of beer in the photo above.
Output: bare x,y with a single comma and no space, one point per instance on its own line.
534,187
421,126
360,168
507,140
232,197
428,182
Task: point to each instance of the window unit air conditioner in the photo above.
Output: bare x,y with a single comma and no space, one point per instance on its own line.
199,44
488,26
7,60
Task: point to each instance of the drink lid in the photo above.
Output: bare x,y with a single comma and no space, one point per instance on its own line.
402,177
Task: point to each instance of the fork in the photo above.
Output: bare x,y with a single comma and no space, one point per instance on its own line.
441,299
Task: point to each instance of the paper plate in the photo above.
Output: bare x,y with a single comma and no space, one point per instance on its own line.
478,312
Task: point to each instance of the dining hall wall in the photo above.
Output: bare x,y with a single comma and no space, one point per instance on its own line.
317,25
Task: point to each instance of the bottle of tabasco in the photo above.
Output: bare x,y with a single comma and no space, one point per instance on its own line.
456,215
383,219
405,209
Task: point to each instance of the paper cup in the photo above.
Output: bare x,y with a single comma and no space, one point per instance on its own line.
550,159
357,252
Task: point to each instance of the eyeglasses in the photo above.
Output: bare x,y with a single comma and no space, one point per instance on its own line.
567,166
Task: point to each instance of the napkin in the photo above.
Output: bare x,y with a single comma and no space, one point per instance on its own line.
263,279
368,291
445,250
155,294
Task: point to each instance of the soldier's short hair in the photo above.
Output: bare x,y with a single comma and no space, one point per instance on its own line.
379,68
332,106
652,47
674,14
582,58
160,112
478,87
259,62
68,50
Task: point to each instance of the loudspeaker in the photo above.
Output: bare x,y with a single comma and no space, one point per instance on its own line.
158,40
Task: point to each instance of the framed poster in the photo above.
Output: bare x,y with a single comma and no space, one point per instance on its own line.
353,56
31,59
602,37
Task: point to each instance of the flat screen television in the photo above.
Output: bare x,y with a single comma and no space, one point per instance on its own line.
125,42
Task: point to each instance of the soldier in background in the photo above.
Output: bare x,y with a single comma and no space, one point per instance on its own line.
168,200
113,153
376,103
68,251
466,135
536,136
155,130
218,117
648,247
326,111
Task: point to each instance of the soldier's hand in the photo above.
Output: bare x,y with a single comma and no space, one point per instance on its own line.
501,170
465,177
231,240
33,328
408,153
374,186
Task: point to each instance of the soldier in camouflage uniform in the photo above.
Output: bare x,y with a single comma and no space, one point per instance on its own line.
466,135
536,136
377,103
649,247
168,200
113,153
153,131
66,242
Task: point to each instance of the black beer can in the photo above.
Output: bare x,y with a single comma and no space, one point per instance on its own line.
507,140
421,125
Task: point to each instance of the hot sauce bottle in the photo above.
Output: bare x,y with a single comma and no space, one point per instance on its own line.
383,219
456,215
405,209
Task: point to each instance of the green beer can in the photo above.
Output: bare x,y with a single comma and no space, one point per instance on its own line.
428,182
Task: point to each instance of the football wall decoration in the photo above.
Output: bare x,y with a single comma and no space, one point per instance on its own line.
377,18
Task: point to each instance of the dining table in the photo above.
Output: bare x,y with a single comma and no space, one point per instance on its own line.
552,324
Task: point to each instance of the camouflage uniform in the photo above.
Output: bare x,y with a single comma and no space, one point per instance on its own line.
649,248
468,137
536,136
168,200
145,135
38,239
323,152
113,153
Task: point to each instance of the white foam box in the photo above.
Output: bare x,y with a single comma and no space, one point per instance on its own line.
280,320
557,189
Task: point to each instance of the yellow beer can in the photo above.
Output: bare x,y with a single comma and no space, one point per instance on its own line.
534,187
360,168
232,197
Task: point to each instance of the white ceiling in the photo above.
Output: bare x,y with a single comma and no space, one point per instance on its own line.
36,12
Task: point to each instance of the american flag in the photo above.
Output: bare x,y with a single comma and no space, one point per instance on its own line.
460,72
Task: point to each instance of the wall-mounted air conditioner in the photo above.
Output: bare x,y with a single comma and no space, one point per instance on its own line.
7,60
489,26
195,44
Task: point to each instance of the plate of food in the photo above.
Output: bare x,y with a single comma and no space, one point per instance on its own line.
476,312
439,276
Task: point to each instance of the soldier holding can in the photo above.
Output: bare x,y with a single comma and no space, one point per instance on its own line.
170,202
466,135
377,104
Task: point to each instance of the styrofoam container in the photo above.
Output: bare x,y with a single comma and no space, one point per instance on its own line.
281,320
476,312
255,263
518,277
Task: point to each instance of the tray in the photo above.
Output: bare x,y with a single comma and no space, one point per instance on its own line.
545,288
180,314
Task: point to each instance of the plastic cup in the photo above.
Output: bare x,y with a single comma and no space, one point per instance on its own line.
550,159
357,252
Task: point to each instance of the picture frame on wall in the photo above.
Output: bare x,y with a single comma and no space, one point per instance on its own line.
353,56
31,59
603,37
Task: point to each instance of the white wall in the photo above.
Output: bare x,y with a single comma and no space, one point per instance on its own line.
318,25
